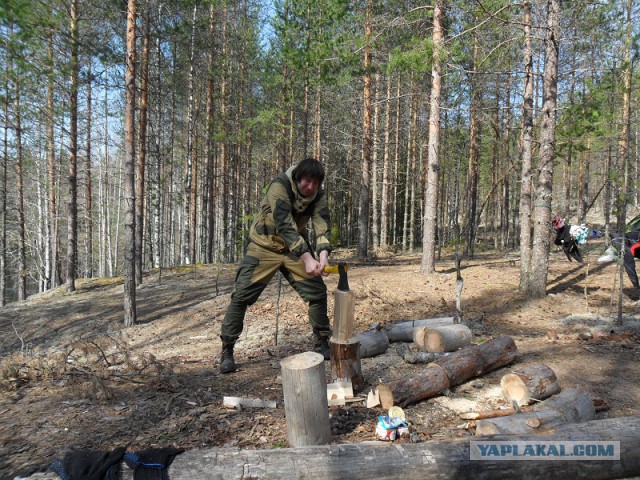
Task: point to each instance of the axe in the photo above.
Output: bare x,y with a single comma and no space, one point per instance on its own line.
341,268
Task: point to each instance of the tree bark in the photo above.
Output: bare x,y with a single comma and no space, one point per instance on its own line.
88,180
445,338
372,343
404,331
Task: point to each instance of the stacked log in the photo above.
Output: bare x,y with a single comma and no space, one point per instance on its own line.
448,371
403,331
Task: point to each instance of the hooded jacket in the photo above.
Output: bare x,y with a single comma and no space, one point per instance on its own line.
280,224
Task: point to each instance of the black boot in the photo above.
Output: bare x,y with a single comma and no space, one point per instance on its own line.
227,364
322,343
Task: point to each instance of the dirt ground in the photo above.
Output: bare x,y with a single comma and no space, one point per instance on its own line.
72,377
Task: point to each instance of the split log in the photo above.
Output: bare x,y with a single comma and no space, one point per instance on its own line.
372,343
533,382
571,406
305,399
443,338
403,331
462,365
434,379
343,314
345,362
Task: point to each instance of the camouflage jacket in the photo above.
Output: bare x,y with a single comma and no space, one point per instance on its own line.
281,223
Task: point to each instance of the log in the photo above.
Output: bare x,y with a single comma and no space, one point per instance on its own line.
343,314
345,362
498,352
571,406
403,331
372,343
462,365
443,338
430,382
305,399
443,459
529,383
434,379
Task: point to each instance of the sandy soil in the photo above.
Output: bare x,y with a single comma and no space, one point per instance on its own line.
72,377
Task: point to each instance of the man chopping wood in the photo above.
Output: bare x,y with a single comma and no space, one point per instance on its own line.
278,242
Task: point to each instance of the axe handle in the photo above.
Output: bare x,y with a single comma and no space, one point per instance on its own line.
334,268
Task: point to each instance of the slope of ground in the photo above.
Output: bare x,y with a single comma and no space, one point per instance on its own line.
72,377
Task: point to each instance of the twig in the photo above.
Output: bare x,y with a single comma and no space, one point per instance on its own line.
19,337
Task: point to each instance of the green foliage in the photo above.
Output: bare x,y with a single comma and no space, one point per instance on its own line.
335,235
415,57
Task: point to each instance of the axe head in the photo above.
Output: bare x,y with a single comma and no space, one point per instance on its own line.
343,282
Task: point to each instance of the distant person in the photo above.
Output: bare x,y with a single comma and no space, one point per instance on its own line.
629,244
278,242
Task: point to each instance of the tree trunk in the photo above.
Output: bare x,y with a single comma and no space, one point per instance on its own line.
544,187
53,270
384,200
142,147
129,168
527,154
3,198
375,232
21,277
72,206
431,190
88,181
364,205
209,180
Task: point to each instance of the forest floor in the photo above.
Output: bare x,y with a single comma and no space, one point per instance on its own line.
73,378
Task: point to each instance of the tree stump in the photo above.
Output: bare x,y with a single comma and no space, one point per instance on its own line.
304,385
534,382
403,331
570,406
442,338
345,362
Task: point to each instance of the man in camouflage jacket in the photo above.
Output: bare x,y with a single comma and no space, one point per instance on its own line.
278,241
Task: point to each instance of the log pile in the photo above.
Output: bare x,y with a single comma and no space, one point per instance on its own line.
449,371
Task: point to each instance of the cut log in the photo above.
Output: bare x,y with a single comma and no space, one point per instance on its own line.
434,379
343,314
345,362
571,406
529,383
305,399
372,343
462,365
498,352
428,383
503,412
443,338
403,331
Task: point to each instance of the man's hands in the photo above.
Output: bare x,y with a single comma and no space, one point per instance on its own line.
313,266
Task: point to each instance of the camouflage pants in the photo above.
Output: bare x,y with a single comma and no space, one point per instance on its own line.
254,273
